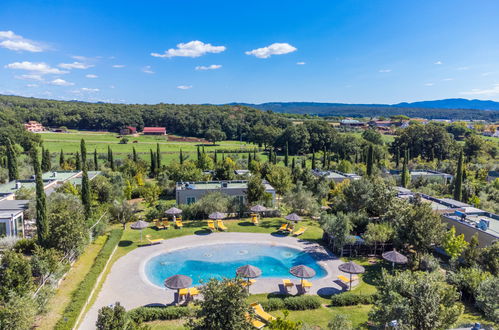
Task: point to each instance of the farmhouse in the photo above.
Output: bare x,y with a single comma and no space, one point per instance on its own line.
154,131
34,126
129,130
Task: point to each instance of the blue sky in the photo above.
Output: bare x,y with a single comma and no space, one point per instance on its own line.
362,51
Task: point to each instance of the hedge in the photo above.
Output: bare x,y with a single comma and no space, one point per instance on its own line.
295,303
148,314
80,295
350,299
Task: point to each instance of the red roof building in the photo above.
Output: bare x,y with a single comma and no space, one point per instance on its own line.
34,126
154,131
128,130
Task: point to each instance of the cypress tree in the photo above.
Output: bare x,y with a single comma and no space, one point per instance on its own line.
397,158
134,154
458,184
254,154
293,163
111,159
215,158
370,160
96,161
78,161
12,162
223,155
85,182
286,155
249,158
324,158
158,157
405,176
274,157
83,151
313,160
42,225
304,162
109,154
46,165
153,162
61,158
199,154
181,157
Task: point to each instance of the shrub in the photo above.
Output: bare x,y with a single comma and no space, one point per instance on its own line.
350,299
25,246
148,314
295,303
8,242
273,304
80,295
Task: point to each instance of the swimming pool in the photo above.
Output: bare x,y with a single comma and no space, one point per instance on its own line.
221,260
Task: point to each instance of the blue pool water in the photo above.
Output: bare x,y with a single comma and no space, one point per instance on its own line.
222,260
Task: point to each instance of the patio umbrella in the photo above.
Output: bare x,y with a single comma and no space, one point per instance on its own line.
248,272
139,225
351,268
394,257
173,211
258,208
293,217
177,282
302,272
217,215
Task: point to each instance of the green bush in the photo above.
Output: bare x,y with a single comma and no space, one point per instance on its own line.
350,299
148,314
297,303
25,245
80,295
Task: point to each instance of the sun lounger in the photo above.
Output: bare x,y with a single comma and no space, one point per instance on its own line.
182,293
283,227
211,225
287,283
250,282
153,241
193,292
178,223
299,231
261,313
166,224
254,322
158,224
220,225
306,284
254,219
345,279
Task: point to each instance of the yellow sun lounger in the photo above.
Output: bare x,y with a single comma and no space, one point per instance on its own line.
153,241
254,322
220,225
283,227
261,313
306,284
254,219
166,224
211,225
287,283
345,279
183,293
178,223
299,231
193,292
158,224
250,282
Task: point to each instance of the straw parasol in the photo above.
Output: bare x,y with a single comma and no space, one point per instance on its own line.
351,268
394,257
258,208
139,225
248,271
293,217
177,282
173,211
302,272
217,215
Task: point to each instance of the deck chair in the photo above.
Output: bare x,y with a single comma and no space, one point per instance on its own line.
220,225
299,231
255,322
153,241
283,227
178,223
261,313
166,224
345,279
287,284
254,219
158,224
250,282
306,285
211,225
193,292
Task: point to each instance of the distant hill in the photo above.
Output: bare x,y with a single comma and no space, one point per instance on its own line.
461,109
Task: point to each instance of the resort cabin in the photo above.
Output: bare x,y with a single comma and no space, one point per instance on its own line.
426,175
34,126
154,131
191,192
336,176
12,217
129,130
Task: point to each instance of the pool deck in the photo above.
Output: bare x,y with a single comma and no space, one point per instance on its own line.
126,282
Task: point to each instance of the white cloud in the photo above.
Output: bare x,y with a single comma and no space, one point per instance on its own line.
485,74
75,65
112,86
61,82
462,68
447,79
193,48
385,70
274,49
429,84
476,91
89,90
118,66
16,42
184,87
438,62
300,63
36,77
31,85
92,76
209,67
37,68
147,69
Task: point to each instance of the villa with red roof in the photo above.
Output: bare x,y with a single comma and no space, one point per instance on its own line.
154,131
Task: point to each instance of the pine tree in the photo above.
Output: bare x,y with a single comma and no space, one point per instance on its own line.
78,161
313,160
134,155
286,155
181,157
158,157
405,176
370,160
61,158
42,225
46,165
458,184
12,162
96,161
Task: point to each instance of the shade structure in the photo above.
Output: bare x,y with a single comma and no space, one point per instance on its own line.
302,272
139,225
293,217
177,282
248,271
217,215
395,257
351,268
173,211
258,208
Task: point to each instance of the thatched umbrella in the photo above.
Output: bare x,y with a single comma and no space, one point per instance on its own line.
293,217
248,272
173,211
302,272
217,215
394,257
258,208
177,282
139,225
351,268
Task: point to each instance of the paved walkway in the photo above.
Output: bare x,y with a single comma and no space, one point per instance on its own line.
127,283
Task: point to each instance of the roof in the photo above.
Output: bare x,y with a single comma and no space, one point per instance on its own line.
9,214
216,185
154,130
8,205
